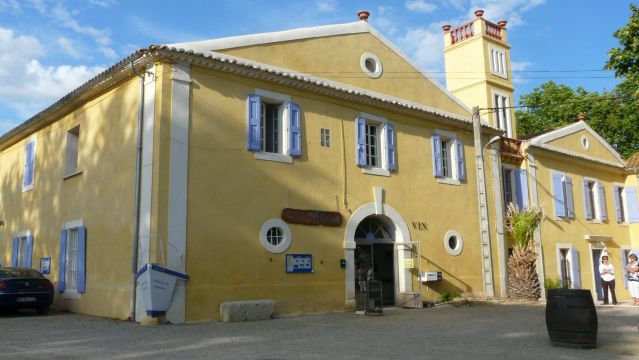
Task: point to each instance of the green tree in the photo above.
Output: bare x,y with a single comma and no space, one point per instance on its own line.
614,115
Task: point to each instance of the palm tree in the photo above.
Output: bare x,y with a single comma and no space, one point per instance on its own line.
523,281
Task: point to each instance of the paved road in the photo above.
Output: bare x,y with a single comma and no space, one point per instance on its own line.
482,331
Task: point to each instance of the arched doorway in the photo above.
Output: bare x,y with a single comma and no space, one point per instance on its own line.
375,255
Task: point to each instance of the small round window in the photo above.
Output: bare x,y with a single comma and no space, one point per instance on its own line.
453,242
585,143
371,65
275,236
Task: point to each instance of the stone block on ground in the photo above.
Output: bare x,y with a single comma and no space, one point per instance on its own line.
247,310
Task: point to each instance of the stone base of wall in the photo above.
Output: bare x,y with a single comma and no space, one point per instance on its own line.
249,310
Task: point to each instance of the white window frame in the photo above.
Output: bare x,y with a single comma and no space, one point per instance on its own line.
503,124
382,168
370,58
450,138
623,203
286,236
498,63
567,247
325,137
35,147
22,248
71,293
460,243
281,100
72,152
595,209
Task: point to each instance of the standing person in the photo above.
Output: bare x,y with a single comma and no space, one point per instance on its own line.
633,278
607,272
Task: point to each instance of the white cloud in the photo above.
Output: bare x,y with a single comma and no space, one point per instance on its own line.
69,47
9,5
457,4
383,20
326,6
420,6
425,45
519,66
26,85
510,10
100,36
103,3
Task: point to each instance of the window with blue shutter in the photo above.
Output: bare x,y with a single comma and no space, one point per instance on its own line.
390,146
295,130
461,171
602,201
14,251
575,273
82,236
588,208
558,194
253,118
633,204
360,140
570,202
437,156
29,254
29,166
521,182
618,201
63,260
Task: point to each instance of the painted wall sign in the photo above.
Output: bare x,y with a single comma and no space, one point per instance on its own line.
311,217
299,263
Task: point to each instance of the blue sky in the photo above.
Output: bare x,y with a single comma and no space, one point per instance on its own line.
48,48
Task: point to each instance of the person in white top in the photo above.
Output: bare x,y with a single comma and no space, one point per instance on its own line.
633,278
607,272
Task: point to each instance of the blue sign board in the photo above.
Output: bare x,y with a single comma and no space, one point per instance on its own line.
299,263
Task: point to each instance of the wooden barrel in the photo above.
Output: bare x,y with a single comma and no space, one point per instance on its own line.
571,318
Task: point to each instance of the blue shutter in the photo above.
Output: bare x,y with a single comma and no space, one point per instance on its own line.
390,145
63,260
253,116
633,204
615,198
575,274
82,254
521,181
360,140
437,155
587,204
28,257
28,164
14,252
602,201
570,202
461,171
558,194
295,130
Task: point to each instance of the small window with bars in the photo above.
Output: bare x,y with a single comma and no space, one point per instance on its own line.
71,269
325,137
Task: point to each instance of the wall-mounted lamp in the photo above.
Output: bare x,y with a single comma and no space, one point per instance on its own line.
491,141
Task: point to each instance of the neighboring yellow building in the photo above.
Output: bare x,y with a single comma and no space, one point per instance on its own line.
250,164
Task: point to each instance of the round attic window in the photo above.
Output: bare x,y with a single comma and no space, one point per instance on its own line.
585,143
275,236
371,65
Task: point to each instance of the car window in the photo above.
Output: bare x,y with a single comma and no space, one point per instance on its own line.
17,273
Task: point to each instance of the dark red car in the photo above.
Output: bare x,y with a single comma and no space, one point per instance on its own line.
25,288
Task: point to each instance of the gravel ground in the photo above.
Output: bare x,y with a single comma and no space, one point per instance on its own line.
475,331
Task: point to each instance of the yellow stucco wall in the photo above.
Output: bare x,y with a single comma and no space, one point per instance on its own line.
319,57
231,194
633,180
560,231
573,143
101,196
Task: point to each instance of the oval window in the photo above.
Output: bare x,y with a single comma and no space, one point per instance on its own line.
371,65
453,242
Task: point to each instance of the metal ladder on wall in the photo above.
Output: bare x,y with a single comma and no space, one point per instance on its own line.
486,253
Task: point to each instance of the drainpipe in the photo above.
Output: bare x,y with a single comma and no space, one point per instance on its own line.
136,215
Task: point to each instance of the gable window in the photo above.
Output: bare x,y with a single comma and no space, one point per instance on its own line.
375,144
72,268
562,195
274,126
22,250
515,186
325,137
594,200
29,165
498,62
448,158
501,105
71,161
626,203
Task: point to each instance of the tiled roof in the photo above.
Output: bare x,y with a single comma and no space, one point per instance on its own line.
633,161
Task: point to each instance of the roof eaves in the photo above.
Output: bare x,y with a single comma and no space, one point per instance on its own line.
576,155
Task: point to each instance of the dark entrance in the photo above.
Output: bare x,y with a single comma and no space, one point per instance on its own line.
375,257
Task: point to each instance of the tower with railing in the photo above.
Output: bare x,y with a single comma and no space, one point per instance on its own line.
478,69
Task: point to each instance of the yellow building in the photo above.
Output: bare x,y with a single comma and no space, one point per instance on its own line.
252,165
587,191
